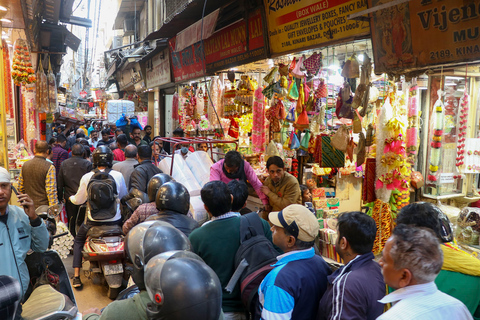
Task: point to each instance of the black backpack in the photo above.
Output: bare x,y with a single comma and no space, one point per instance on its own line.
102,195
253,261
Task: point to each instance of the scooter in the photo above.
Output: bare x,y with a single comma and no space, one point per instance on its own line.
49,216
104,255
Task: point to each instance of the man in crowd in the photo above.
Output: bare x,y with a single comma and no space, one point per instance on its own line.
93,127
72,139
293,289
354,289
102,159
134,135
93,141
217,242
68,181
148,133
126,167
106,137
59,154
281,188
118,153
184,152
459,270
233,167
85,127
202,146
118,132
38,178
412,259
20,230
239,191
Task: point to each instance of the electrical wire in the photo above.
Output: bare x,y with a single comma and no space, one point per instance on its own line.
78,5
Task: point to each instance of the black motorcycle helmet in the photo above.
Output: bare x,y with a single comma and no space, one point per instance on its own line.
10,297
139,198
176,296
149,239
103,156
173,196
155,183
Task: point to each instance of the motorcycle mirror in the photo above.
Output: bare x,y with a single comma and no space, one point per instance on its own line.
54,211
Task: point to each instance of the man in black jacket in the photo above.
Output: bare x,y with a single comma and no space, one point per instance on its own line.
68,180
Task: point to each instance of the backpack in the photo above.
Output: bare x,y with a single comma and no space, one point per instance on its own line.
253,261
102,195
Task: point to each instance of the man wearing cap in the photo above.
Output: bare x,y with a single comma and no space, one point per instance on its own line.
20,230
293,289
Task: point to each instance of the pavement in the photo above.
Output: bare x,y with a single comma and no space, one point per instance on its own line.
91,295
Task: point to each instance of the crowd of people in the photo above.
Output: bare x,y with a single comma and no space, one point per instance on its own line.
417,277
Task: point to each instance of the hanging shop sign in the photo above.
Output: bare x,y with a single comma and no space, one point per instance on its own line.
83,94
188,63
424,33
298,24
158,70
237,44
193,33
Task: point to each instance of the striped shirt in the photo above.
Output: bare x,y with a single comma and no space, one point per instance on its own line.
58,156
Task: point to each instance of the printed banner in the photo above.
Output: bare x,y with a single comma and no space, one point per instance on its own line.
188,63
423,33
296,24
230,47
158,70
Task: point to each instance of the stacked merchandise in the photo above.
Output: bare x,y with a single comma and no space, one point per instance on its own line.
117,108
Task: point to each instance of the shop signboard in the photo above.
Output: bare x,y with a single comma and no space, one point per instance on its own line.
236,44
423,33
298,24
188,63
83,94
158,70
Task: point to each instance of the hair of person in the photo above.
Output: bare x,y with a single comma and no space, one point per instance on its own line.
122,140
420,214
105,131
87,152
101,143
61,138
147,126
130,151
41,146
418,250
144,152
83,142
96,131
303,188
80,135
216,197
233,159
77,149
136,128
276,160
118,130
52,140
200,144
301,245
239,191
178,132
359,229
49,150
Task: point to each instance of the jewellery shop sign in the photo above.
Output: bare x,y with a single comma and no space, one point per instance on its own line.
423,33
297,24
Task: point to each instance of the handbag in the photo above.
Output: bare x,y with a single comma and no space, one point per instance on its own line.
340,139
351,69
305,140
322,90
294,142
268,91
270,77
313,63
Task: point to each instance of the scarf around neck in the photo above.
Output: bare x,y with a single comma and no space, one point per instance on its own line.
240,174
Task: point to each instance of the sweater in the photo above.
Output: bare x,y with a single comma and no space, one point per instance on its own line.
284,193
38,180
132,308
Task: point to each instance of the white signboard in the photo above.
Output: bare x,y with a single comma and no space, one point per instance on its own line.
158,70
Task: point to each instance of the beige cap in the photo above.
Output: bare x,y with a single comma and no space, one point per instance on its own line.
297,220
4,175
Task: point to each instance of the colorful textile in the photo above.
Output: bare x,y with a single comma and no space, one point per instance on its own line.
331,157
369,181
258,129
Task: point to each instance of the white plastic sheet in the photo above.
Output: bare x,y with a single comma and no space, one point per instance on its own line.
199,163
181,173
197,209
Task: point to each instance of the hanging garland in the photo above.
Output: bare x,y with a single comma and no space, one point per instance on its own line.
22,69
437,134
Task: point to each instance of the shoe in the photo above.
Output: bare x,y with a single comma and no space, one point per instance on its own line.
76,282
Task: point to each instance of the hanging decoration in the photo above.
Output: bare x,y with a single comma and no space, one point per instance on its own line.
412,129
437,136
42,96
9,105
462,130
52,90
22,68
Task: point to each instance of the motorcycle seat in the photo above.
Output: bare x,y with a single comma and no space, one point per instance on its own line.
104,231
47,303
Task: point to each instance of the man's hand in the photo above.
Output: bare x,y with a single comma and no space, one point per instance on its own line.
265,189
28,205
92,310
128,120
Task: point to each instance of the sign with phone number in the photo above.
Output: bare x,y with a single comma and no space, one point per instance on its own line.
297,24
423,33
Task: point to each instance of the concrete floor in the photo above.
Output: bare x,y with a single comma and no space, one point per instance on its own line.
91,295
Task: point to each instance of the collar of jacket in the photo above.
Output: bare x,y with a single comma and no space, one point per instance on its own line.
354,264
144,162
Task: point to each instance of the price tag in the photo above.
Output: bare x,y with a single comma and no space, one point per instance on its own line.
446,178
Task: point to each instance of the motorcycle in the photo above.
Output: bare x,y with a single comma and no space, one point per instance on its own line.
104,257
49,215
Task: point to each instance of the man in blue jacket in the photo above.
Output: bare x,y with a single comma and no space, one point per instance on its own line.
354,290
20,230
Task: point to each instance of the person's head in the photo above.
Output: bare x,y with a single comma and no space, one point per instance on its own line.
87,123
136,134
52,141
184,149
130,151
103,157
86,152
156,149
59,129
294,228
105,135
83,142
78,150
78,131
216,198
118,132
275,168
50,153
122,141
411,256
5,190
94,135
178,133
41,148
306,194
155,183
239,191
233,161
356,234
202,146
144,153
148,130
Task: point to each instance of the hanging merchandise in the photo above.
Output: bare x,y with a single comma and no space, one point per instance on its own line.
330,156
305,140
216,99
370,138
360,149
275,114
340,138
345,110
268,91
200,104
351,68
9,105
42,89
270,77
52,90
301,99
22,68
258,132
302,120
322,90
369,180
462,131
175,103
283,69
294,142
291,115
412,129
357,123
364,83
350,148
299,69
313,63
293,91
382,215
437,136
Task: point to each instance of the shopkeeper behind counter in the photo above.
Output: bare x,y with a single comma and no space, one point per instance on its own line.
233,167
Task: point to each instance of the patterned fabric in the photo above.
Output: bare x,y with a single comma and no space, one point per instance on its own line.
318,149
369,181
51,186
313,63
274,115
258,128
59,155
141,214
331,157
382,215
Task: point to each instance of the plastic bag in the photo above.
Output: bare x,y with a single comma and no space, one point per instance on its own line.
294,142
305,140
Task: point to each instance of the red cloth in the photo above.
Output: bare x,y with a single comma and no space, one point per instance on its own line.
369,181
118,155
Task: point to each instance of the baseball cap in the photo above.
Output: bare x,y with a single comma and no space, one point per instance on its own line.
4,175
297,220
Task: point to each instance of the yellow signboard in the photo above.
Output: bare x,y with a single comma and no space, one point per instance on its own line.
423,33
297,24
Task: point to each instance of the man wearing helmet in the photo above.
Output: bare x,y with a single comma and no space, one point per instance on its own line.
102,159
147,209
172,202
